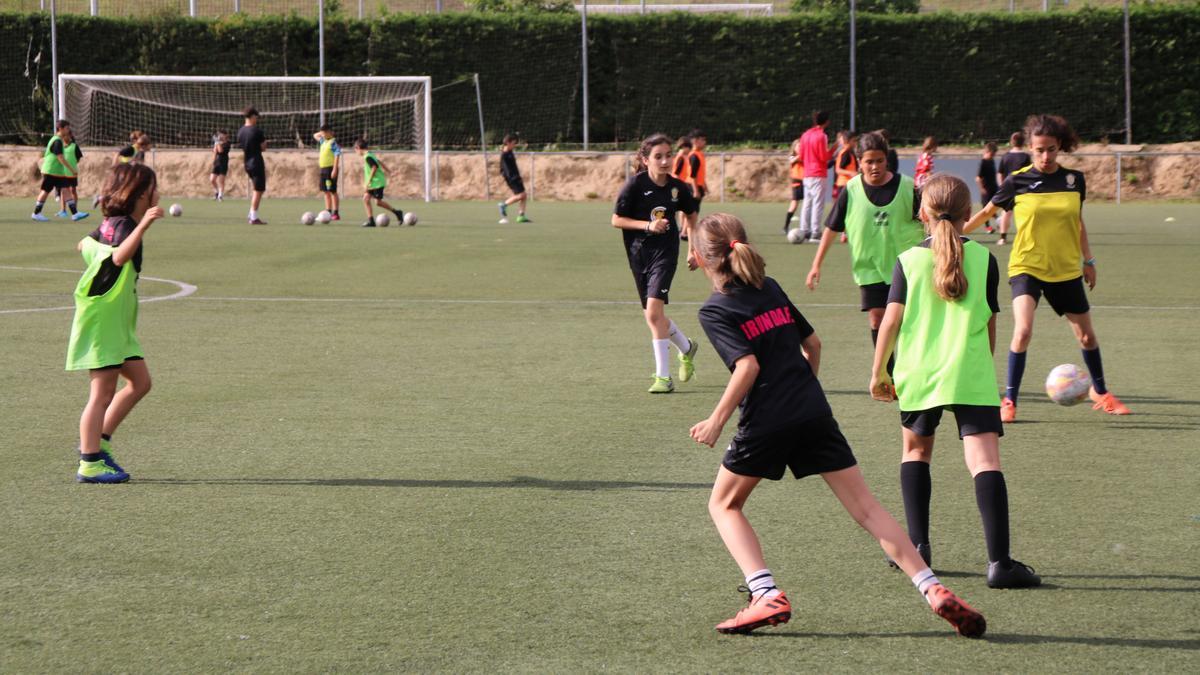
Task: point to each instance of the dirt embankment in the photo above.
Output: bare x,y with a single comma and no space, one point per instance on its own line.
571,177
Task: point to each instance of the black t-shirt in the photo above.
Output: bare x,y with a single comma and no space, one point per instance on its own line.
127,152
1013,160
899,290
1033,181
113,231
987,174
641,196
56,148
250,140
745,320
846,159
508,165
879,196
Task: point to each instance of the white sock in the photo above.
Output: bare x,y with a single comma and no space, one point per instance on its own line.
762,583
253,214
681,341
923,580
662,353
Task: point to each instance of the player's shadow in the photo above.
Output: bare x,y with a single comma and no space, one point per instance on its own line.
1002,638
519,482
1050,582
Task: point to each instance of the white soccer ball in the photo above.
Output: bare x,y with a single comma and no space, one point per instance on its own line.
383,220
503,221
324,217
308,218
1067,384
410,219
795,236
175,210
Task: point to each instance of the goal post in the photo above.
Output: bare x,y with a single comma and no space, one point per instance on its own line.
392,113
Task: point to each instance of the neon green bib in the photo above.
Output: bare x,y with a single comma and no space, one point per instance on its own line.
879,233
326,159
379,180
103,332
50,164
942,352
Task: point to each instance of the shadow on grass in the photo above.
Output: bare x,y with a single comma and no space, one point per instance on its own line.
1003,638
523,482
1049,584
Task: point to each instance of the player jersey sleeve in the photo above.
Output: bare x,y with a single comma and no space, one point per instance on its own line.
847,157
802,323
336,149
837,217
694,161
371,162
993,284
1082,186
724,335
56,148
898,293
627,200
1006,194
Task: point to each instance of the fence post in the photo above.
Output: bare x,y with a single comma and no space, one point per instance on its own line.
487,186
237,6
94,6
320,53
584,48
360,10
853,56
723,178
437,175
56,107
192,8
1118,178
1128,76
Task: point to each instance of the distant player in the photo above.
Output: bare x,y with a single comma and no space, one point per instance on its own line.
1050,255
220,164
845,163
697,176
878,212
645,213
253,142
329,161
815,155
796,178
104,333
925,162
512,178
941,323
1015,158
375,179
785,422
986,179
139,145
59,172
68,193
681,167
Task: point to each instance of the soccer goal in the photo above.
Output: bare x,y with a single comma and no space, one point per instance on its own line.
393,113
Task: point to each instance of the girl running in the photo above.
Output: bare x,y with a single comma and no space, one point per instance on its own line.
1050,255
878,211
924,167
220,165
785,422
645,214
103,335
941,322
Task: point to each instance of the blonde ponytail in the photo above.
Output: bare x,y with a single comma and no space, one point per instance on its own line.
746,264
947,202
720,239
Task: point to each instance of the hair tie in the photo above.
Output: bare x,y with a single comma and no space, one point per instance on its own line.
733,244
945,216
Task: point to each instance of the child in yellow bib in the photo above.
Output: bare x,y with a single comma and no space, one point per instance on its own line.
941,322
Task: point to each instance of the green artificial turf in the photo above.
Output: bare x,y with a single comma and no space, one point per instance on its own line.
430,449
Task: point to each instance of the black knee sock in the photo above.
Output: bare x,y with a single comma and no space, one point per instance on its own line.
106,437
991,494
1016,370
1091,358
91,457
787,222
917,487
72,207
37,206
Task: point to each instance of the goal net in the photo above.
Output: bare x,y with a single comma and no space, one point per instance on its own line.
392,113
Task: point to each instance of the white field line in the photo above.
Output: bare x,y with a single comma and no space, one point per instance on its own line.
185,289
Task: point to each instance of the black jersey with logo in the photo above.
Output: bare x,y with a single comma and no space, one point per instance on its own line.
641,197
744,320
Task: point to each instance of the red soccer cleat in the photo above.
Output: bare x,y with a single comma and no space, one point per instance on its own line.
762,611
1108,403
1008,411
965,618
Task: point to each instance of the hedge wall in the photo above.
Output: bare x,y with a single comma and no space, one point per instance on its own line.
957,76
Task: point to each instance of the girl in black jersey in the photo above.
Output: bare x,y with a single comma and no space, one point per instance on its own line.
785,422
645,213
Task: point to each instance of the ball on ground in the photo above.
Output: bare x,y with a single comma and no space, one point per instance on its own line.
795,236
324,217
383,220
308,218
1068,384
410,219
175,210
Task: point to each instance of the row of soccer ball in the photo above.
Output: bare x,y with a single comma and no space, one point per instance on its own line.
381,220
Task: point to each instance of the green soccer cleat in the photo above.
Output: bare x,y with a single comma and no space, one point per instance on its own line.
99,472
687,367
522,219
106,452
662,385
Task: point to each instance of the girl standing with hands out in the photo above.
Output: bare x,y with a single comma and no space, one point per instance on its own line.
785,422
645,214
941,321
1050,255
103,335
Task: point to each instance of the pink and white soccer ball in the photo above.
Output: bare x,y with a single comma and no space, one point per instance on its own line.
1068,384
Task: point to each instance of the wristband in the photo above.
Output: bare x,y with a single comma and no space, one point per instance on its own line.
1090,262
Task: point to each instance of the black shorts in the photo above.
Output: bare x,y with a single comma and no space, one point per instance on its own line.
516,185
807,448
1065,297
328,182
797,191
376,193
985,197
120,365
257,174
971,419
874,296
220,168
654,265
55,183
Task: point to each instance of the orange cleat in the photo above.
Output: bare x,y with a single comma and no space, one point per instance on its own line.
1008,411
965,618
762,611
1108,403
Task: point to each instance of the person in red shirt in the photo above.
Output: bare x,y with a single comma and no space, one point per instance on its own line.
815,156
925,161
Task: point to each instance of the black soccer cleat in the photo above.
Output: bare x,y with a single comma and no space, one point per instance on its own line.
368,223
926,555
1011,574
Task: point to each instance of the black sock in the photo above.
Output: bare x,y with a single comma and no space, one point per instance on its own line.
399,214
71,206
917,487
1016,370
91,457
37,206
991,494
787,222
106,437
1091,357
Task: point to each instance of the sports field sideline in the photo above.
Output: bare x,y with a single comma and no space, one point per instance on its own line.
430,448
